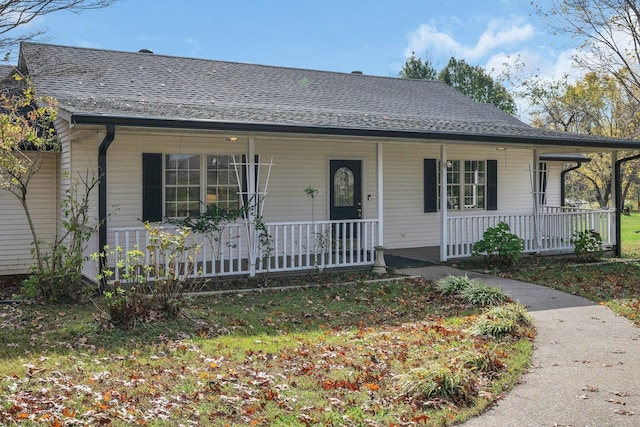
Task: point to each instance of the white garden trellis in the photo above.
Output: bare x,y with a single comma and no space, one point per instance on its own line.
252,197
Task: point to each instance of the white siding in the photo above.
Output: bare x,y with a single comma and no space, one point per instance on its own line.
406,224
304,162
297,164
15,245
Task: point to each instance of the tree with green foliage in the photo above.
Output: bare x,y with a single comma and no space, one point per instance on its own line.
415,68
477,84
472,81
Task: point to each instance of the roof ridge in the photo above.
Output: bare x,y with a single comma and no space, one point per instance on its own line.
222,61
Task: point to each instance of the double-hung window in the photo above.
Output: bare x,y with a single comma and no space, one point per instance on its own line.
180,185
471,184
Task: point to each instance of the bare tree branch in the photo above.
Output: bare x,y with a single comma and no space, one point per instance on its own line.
609,31
16,17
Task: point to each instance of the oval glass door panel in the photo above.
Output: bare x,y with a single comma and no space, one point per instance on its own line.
344,190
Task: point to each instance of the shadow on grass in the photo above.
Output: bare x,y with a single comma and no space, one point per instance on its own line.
30,329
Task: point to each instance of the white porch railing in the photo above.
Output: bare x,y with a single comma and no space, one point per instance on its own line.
552,230
290,246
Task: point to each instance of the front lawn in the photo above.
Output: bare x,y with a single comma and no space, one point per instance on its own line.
615,283
362,354
630,231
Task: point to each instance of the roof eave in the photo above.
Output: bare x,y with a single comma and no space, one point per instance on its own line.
194,124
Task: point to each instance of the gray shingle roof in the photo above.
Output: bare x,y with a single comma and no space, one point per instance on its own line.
157,87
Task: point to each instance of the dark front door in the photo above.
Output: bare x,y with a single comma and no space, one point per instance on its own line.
345,189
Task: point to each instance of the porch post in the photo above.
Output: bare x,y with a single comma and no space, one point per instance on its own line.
380,193
443,203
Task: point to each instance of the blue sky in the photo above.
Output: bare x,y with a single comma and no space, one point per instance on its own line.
372,36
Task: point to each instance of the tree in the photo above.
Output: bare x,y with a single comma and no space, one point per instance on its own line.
597,105
18,14
414,68
474,82
609,31
26,132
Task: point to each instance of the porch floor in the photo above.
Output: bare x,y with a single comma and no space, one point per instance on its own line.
412,257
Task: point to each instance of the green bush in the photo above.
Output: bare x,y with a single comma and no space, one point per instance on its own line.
499,244
160,286
588,245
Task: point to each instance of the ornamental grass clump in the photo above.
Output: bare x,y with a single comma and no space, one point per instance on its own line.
438,380
507,320
454,285
483,295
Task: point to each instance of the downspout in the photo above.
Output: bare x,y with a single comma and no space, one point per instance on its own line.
563,184
619,202
102,190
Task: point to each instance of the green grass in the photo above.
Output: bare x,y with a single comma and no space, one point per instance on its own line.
330,355
630,234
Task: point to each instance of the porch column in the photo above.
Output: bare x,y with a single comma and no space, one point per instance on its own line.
380,193
443,203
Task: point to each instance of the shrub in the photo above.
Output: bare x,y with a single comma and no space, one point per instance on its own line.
510,319
161,285
454,285
57,275
498,243
588,245
479,294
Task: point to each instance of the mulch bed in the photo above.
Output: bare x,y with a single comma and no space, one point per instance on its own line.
11,285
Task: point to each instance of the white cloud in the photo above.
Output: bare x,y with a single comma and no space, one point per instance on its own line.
428,38
499,33
195,46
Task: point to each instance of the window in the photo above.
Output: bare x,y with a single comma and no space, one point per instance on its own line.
180,185
466,184
471,184
222,182
474,184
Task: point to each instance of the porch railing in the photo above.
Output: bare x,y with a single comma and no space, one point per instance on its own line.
549,231
286,246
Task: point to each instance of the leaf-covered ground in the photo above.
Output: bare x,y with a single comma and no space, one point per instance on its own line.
330,355
615,283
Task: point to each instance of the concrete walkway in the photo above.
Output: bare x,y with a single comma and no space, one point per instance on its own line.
586,361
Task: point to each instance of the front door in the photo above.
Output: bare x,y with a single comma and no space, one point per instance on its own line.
345,189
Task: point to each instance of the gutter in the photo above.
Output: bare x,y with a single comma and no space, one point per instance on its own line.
193,124
102,189
619,201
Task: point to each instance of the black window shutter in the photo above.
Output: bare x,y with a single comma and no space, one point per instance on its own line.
151,187
492,185
430,185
